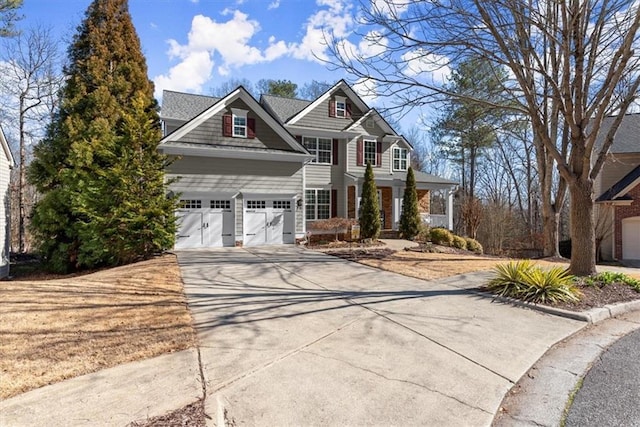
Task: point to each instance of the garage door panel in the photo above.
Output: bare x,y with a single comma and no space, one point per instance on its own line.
255,228
631,238
190,230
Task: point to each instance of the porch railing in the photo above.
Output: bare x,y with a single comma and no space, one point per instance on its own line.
435,220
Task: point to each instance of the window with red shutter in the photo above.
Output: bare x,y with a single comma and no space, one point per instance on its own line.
251,127
360,152
336,146
348,110
334,203
227,125
379,154
332,108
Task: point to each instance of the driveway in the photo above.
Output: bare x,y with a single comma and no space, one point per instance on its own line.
295,337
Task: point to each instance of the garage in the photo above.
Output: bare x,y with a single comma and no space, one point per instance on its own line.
205,222
631,238
268,219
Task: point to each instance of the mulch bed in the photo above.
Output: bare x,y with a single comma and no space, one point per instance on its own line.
595,296
357,254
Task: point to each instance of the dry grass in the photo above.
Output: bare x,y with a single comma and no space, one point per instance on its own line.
51,330
431,266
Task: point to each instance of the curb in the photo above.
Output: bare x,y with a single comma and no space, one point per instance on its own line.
593,316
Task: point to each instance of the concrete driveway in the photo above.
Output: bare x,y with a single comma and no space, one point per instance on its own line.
295,337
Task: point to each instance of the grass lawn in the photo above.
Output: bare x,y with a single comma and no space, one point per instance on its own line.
51,330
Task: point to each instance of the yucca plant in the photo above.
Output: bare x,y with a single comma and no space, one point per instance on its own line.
524,281
509,280
550,286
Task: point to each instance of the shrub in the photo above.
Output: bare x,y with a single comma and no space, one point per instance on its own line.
473,245
459,242
441,236
523,281
424,233
410,220
369,212
609,277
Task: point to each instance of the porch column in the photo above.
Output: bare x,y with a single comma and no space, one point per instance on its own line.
450,210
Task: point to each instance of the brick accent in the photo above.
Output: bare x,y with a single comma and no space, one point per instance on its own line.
387,207
622,212
351,202
424,201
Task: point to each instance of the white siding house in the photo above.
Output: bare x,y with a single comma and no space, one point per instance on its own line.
6,164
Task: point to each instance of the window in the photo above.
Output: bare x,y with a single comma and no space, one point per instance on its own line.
321,148
341,107
220,204
400,159
190,204
239,123
370,152
256,204
318,204
282,204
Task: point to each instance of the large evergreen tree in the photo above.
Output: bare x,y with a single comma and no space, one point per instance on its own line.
410,217
369,210
102,180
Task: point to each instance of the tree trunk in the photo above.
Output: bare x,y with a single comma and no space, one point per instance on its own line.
550,230
583,248
21,178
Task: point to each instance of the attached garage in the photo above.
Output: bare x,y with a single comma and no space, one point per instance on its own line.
205,222
269,219
631,238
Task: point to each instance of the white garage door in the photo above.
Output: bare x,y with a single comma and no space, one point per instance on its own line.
205,223
631,238
269,222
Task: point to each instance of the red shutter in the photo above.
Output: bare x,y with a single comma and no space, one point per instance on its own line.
227,125
332,108
360,153
334,203
379,154
251,127
336,147
348,110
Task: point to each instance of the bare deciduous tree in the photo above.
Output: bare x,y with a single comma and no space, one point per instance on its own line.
29,83
580,54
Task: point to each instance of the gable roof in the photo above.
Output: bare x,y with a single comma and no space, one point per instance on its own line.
242,94
184,106
6,149
618,191
627,139
353,97
283,108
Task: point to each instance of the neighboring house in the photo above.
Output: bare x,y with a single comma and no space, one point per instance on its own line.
255,173
618,191
6,164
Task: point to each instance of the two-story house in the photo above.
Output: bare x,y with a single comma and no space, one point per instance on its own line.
256,173
618,190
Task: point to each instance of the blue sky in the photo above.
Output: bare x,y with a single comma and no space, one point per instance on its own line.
194,45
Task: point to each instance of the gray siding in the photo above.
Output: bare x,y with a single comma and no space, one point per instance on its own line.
5,221
614,169
210,132
204,174
319,117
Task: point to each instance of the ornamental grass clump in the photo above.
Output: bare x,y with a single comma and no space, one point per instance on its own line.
522,280
459,242
441,236
473,245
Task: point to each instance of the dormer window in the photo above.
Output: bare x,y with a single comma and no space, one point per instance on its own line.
239,123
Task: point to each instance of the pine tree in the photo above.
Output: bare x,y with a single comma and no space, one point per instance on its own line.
410,217
101,178
369,210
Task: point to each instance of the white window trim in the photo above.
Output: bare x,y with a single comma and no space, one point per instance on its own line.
341,100
364,151
315,150
400,159
236,112
315,205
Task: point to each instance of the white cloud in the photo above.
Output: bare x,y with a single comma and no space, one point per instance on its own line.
274,5
367,90
390,8
207,39
422,64
335,18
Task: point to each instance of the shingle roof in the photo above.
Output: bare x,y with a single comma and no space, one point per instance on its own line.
627,180
284,108
184,106
627,139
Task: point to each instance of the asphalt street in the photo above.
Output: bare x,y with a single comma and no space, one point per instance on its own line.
611,389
